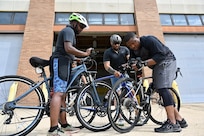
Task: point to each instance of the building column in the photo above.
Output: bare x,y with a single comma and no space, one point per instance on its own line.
148,21
38,35
147,18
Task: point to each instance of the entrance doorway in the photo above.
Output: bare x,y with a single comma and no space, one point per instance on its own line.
100,43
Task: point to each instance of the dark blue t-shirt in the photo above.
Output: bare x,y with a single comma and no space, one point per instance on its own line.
151,47
116,59
65,35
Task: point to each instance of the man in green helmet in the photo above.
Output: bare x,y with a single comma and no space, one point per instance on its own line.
60,69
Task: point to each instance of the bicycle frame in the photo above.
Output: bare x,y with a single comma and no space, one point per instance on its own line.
75,73
97,99
132,94
34,86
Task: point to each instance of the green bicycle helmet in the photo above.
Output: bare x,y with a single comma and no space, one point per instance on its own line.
79,18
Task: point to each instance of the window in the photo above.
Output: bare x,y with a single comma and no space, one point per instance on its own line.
62,18
194,20
165,20
99,18
126,19
5,17
111,19
179,20
95,19
13,18
20,18
202,17
182,20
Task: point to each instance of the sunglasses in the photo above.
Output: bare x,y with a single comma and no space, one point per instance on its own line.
116,43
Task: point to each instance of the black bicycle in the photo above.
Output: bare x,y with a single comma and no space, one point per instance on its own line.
93,113
134,99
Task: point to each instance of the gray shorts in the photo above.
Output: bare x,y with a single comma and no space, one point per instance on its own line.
164,74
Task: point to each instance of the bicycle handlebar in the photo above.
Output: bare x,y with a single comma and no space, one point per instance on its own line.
128,66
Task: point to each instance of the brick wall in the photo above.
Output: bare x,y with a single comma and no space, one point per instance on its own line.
148,21
147,18
38,35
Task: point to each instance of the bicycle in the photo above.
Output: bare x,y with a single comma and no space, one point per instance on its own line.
98,110
134,100
23,102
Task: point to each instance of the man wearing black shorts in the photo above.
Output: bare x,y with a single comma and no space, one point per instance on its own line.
60,68
163,62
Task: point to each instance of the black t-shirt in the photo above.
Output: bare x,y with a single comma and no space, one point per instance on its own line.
66,34
151,47
116,59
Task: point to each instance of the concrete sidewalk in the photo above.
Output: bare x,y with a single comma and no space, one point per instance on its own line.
193,113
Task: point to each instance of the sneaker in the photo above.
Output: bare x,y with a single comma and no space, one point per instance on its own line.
168,127
183,123
120,122
142,120
70,128
57,132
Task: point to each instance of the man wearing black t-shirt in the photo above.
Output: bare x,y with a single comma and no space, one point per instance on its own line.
113,58
163,63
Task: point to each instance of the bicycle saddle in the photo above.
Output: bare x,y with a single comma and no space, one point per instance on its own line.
38,62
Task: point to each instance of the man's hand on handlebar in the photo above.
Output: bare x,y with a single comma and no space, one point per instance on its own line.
138,65
88,51
117,74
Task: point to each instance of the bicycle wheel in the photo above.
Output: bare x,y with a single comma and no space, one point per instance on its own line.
125,105
19,117
158,112
91,114
70,107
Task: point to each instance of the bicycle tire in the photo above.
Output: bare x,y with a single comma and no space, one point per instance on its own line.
91,115
158,112
125,106
23,118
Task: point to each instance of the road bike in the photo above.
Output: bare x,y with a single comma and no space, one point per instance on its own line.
24,102
133,100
